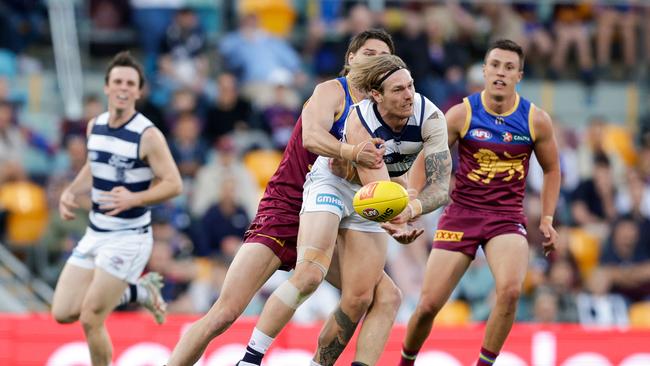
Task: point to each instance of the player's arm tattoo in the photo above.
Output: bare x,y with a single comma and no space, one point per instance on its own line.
328,354
436,191
437,163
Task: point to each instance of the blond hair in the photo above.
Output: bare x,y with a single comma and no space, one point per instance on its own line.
371,73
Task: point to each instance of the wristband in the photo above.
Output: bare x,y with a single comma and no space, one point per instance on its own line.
416,207
346,151
548,218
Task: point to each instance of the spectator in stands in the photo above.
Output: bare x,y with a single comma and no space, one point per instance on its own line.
210,177
281,114
224,221
92,106
151,19
616,22
12,140
593,202
571,30
447,57
229,112
538,44
187,146
184,63
21,24
564,279
626,259
596,306
545,306
633,198
253,54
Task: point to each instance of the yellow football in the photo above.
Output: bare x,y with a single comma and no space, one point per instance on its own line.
380,201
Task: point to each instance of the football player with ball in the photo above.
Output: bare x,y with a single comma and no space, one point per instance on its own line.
407,123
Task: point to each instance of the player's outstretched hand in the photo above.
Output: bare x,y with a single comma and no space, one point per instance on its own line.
117,200
67,205
370,153
404,234
546,227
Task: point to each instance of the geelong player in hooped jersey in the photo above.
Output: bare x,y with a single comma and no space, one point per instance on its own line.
270,242
129,168
407,123
497,131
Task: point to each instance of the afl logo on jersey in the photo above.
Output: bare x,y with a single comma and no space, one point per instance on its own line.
480,134
507,136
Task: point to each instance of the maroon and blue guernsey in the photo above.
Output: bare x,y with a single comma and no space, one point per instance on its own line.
278,215
494,151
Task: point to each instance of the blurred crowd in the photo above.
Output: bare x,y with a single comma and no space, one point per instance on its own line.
226,85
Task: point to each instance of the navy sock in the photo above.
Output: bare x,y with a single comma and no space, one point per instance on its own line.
252,356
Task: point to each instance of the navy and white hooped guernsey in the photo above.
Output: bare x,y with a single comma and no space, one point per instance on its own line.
401,147
114,158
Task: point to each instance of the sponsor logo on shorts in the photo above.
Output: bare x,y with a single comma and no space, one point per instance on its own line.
445,235
329,199
480,134
116,262
367,191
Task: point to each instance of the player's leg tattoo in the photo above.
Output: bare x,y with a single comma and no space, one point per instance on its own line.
329,353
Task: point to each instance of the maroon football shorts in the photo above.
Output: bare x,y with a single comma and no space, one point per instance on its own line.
463,229
278,233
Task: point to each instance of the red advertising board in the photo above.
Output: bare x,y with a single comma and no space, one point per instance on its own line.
27,340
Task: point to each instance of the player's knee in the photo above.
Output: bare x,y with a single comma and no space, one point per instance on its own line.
91,315
357,303
509,294
307,278
64,317
388,297
429,306
221,320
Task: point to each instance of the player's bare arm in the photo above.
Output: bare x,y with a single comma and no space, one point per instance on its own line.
437,170
80,185
167,183
546,152
455,117
317,117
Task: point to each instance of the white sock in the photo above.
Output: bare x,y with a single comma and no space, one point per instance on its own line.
313,363
143,294
260,341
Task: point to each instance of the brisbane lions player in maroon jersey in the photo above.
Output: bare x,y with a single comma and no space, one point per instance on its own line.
497,131
270,242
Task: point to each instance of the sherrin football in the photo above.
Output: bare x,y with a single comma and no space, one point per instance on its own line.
380,201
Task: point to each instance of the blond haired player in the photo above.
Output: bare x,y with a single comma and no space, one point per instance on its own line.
270,242
407,123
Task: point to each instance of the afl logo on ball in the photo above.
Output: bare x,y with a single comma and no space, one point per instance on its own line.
480,134
370,212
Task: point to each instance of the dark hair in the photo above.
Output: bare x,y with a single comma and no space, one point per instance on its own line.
601,159
508,45
360,39
124,59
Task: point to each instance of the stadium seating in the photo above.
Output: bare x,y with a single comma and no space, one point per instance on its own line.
454,313
585,249
262,165
639,315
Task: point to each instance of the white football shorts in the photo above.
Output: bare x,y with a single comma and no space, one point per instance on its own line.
326,192
124,254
